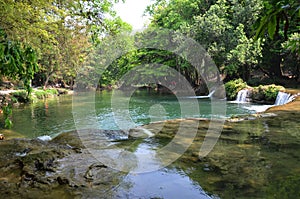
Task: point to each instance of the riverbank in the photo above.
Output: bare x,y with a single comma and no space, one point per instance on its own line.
289,107
38,92
256,156
60,168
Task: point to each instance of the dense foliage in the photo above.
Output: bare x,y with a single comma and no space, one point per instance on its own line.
261,93
257,41
233,87
267,92
59,33
244,37
17,61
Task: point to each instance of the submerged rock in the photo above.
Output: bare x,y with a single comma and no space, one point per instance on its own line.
140,132
60,168
256,156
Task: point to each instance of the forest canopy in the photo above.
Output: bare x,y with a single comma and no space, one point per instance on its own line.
59,33
242,36
46,42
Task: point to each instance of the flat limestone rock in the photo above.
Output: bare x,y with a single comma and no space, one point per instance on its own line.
140,132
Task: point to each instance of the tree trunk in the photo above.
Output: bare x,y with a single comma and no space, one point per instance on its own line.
272,59
245,72
47,80
275,55
275,64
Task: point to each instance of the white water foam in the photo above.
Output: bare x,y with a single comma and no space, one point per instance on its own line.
44,138
242,96
258,108
283,98
202,96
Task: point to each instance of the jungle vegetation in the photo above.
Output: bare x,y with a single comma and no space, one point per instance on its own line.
46,42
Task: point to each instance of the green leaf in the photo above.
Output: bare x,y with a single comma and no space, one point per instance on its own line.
8,123
272,26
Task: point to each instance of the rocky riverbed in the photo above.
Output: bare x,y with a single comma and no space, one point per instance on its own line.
254,157
60,168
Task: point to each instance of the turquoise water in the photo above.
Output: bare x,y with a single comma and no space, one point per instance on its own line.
252,159
55,115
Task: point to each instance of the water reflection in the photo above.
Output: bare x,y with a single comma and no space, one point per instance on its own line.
168,183
55,115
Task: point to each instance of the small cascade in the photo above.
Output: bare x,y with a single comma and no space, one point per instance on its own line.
283,98
242,96
211,94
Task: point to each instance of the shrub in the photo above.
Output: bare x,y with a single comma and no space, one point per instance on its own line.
41,94
51,91
271,92
266,93
20,96
233,87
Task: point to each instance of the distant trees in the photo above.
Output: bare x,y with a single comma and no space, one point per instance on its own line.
60,33
279,23
17,61
228,31
223,28
241,35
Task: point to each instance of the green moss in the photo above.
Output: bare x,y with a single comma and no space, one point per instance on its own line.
233,87
266,92
285,187
261,93
40,94
271,92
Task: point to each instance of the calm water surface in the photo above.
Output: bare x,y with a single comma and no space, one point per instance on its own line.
55,115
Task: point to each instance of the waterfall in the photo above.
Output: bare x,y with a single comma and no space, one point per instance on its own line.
283,98
242,96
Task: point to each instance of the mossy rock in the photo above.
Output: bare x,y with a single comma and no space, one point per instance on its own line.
261,94
266,93
69,138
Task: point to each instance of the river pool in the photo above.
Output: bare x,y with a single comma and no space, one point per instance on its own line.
55,115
